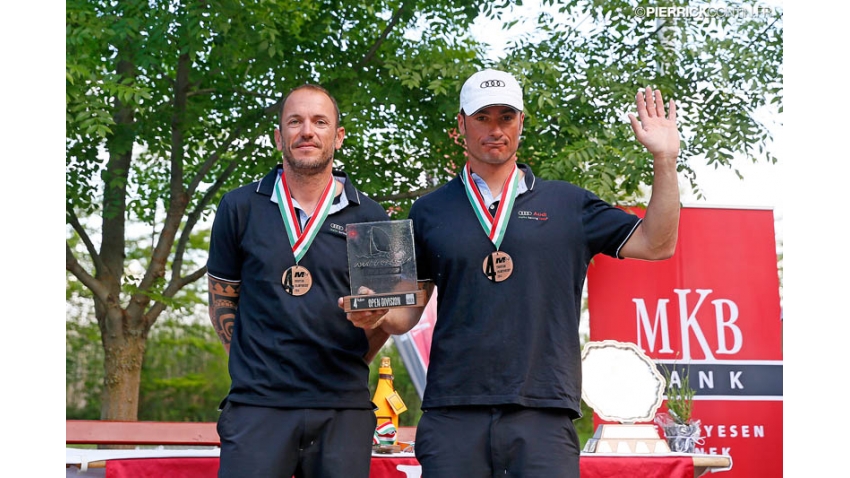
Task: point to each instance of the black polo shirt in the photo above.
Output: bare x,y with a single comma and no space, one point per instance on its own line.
516,341
287,351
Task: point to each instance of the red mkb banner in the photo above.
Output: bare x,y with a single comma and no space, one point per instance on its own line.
713,309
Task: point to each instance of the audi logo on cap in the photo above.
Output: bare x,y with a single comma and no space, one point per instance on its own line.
492,83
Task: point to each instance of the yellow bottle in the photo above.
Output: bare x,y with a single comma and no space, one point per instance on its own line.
388,401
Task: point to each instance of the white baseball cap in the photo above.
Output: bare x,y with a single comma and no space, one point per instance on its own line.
489,88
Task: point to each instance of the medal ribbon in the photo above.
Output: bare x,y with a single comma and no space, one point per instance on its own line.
494,226
298,239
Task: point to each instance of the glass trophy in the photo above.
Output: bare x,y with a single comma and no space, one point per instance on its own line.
382,266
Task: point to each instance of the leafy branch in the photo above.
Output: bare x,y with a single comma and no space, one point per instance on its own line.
680,399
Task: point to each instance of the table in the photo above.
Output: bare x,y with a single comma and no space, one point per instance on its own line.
672,465
203,463
680,465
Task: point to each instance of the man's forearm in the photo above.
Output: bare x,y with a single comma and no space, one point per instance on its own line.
655,238
401,319
377,338
223,300
661,221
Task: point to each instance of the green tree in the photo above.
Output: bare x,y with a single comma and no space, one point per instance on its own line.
583,66
169,104
184,376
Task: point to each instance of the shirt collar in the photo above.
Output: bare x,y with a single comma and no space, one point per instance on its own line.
349,194
524,186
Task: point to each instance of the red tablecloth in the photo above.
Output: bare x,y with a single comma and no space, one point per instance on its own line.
645,467
407,467
162,467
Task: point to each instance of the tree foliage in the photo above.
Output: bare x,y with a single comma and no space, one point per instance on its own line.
184,376
582,67
171,103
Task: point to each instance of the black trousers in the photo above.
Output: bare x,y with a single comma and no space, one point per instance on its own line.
500,441
302,443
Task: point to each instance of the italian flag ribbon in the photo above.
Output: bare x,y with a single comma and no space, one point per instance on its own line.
494,226
384,434
298,239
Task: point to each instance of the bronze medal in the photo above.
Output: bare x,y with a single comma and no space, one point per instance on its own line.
297,280
498,266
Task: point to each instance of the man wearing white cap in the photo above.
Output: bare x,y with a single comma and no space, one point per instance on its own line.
509,253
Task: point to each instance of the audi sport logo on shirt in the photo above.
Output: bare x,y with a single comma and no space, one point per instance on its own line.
337,228
492,84
532,215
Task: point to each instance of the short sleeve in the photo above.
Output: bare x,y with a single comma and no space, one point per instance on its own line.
606,227
224,260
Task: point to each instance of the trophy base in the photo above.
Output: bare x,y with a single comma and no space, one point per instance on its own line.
386,449
387,300
626,439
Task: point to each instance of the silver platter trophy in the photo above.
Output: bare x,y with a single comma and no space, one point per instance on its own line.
382,266
622,384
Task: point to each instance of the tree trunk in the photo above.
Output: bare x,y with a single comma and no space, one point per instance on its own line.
123,358
123,335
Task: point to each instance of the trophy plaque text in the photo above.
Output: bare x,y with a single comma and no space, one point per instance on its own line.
381,258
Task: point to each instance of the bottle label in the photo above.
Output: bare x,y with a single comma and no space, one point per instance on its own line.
396,403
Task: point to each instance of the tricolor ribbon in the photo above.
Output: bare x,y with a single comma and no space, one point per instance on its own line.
384,434
298,239
494,226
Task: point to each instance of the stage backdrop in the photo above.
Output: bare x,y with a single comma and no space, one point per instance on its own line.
712,308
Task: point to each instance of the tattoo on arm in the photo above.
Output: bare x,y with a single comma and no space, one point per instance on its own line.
223,298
